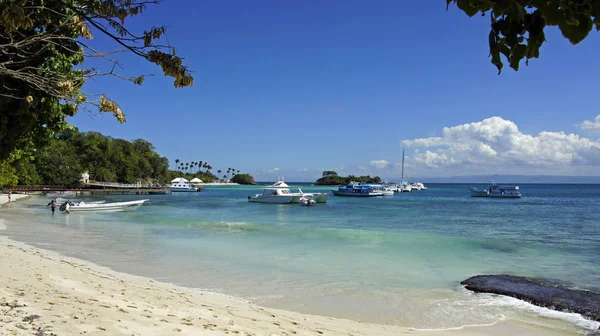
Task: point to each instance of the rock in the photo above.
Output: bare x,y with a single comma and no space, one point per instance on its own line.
539,292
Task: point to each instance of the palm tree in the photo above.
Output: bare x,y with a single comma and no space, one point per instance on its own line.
238,171
176,163
181,167
200,165
225,178
219,171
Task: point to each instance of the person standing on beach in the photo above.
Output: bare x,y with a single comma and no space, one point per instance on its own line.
9,194
53,205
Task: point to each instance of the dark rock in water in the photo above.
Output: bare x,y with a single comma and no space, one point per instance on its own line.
538,292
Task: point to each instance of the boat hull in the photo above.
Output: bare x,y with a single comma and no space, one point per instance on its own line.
485,194
275,199
355,194
321,197
107,207
176,189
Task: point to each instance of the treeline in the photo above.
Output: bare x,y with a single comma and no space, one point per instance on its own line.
70,153
331,177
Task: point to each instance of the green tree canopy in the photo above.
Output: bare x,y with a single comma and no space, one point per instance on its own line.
329,173
42,47
517,26
243,179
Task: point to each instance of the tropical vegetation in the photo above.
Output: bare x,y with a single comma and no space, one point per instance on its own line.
330,177
517,26
43,46
243,179
70,153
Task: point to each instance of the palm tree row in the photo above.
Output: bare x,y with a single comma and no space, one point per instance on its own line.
184,167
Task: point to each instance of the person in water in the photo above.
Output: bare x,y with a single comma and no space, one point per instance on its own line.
52,204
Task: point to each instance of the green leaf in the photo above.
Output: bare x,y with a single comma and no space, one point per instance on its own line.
465,6
577,33
517,55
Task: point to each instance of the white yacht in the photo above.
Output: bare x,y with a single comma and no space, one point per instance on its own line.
405,187
317,197
182,185
101,207
276,195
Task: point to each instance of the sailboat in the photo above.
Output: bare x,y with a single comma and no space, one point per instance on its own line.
404,185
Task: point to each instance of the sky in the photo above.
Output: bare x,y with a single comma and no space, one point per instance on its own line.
295,88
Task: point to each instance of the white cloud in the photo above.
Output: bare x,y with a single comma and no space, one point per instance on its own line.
303,170
594,125
381,164
273,170
496,144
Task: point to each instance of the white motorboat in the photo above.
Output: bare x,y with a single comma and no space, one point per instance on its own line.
387,191
76,201
418,186
497,191
317,197
276,196
182,185
102,207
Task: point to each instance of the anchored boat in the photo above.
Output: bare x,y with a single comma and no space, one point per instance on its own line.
497,191
102,207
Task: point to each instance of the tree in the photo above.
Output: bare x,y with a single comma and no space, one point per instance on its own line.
177,163
42,47
243,179
517,26
329,173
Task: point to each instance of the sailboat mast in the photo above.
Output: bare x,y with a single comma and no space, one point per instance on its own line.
402,165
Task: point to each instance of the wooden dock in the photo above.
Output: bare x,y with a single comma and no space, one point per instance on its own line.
89,191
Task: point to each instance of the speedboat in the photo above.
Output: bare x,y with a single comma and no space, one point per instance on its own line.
276,196
497,191
418,186
102,207
356,190
317,197
182,185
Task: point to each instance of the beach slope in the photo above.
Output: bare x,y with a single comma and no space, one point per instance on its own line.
44,293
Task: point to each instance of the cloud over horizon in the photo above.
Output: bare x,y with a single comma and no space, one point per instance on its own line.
496,144
593,125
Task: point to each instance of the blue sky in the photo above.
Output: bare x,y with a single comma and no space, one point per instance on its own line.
291,89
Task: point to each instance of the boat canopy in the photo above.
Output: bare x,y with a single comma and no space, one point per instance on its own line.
280,184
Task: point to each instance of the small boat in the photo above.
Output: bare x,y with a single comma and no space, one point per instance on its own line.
102,207
307,201
182,185
76,201
276,196
497,191
356,190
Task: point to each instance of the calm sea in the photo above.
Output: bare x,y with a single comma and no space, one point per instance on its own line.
395,260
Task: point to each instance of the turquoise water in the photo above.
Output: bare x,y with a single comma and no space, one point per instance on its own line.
396,260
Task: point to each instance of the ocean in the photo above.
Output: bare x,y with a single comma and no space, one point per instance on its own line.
391,260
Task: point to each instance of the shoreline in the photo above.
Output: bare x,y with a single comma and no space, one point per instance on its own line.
43,290
60,289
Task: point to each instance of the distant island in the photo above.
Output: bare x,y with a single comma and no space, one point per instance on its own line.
331,177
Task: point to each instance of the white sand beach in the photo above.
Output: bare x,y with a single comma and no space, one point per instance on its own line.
44,293
13,197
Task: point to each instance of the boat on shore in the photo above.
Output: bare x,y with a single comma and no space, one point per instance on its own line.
182,185
101,207
497,191
357,190
276,196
